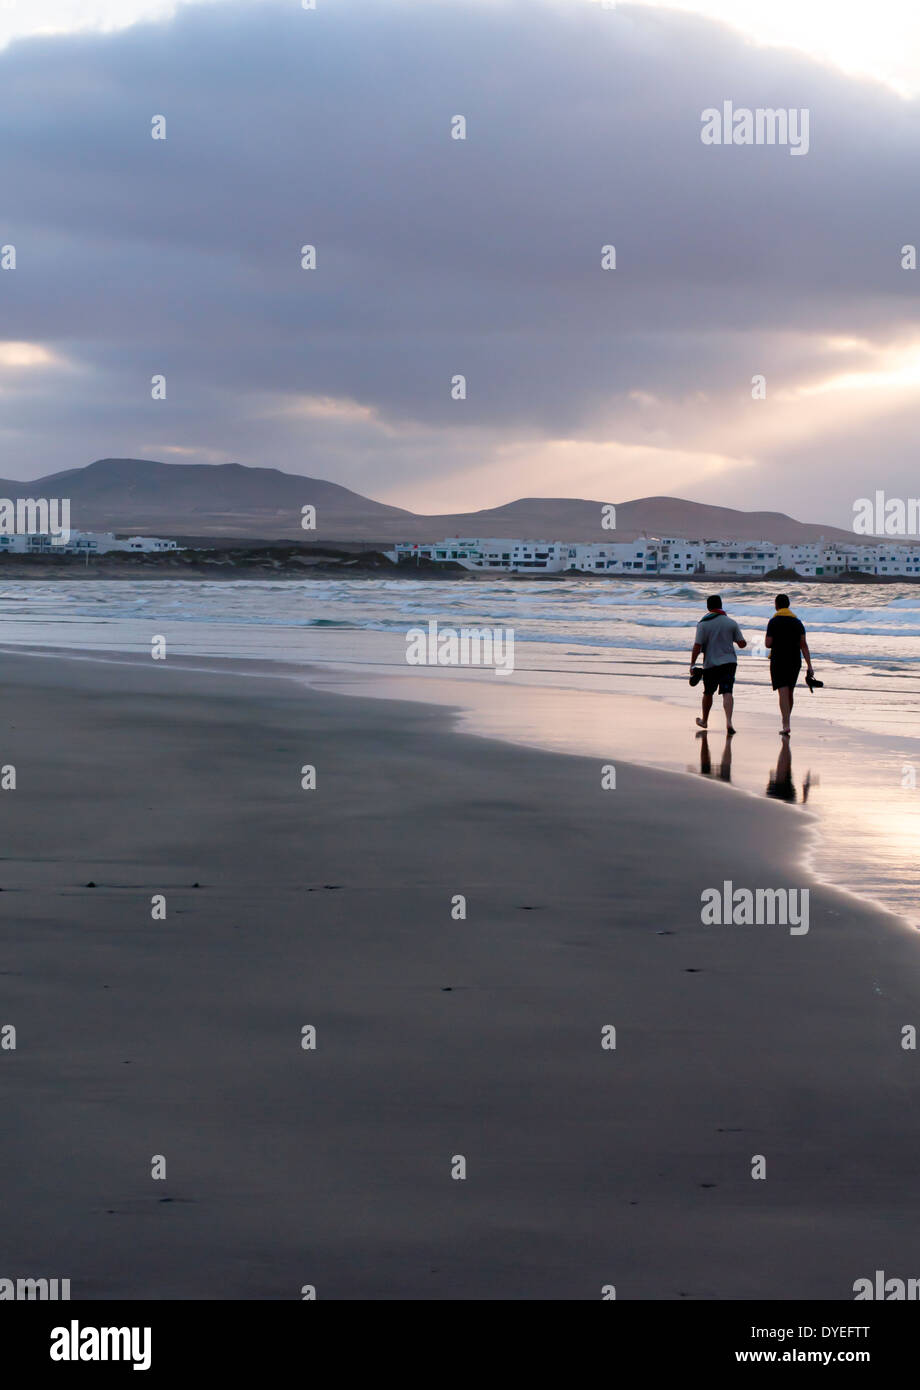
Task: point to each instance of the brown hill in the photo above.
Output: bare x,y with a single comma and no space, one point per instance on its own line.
230,500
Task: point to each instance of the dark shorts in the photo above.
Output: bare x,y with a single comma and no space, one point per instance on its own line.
722,677
785,674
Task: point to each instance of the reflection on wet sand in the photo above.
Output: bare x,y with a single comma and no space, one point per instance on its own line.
779,782
780,785
723,768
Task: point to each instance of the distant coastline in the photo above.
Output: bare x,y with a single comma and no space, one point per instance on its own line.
277,560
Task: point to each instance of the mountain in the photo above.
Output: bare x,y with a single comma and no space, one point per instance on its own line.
143,496
229,500
574,519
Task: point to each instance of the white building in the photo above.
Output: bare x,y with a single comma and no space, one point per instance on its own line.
148,544
82,543
666,555
476,554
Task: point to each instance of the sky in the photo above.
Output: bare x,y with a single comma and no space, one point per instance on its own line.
482,257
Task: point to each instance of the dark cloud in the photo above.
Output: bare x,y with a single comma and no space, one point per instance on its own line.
437,256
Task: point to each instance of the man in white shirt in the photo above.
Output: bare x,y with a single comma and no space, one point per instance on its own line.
716,637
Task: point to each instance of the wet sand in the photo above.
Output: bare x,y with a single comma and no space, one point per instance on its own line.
862,787
436,1037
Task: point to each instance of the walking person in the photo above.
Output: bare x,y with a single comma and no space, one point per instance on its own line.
787,645
717,635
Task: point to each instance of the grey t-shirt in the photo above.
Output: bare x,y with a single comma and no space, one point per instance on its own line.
717,634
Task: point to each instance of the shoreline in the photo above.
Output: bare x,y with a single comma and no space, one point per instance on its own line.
470,719
473,709
259,572
267,560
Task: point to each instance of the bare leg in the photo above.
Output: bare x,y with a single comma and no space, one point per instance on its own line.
707,706
728,704
785,706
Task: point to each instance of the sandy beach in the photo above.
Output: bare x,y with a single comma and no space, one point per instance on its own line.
435,1037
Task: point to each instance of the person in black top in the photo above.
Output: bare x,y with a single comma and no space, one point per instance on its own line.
786,642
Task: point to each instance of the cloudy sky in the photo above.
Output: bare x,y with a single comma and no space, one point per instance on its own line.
435,256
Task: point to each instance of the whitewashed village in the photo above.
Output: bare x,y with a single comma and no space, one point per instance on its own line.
668,555
82,543
643,554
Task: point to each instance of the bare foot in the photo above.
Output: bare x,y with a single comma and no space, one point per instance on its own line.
730,730
702,723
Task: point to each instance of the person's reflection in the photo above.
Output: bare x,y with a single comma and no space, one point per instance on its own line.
780,784
723,769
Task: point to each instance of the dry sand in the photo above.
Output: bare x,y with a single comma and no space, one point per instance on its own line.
435,1037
